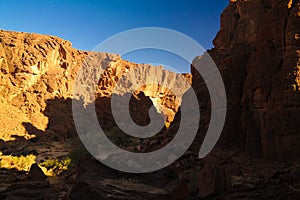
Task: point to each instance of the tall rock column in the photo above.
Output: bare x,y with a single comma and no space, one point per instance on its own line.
257,51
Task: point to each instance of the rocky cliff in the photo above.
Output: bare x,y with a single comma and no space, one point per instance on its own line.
37,68
257,51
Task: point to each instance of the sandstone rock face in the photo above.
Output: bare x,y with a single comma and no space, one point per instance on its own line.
37,78
37,68
257,52
164,88
34,68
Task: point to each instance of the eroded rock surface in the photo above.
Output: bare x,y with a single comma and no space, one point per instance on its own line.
37,77
257,52
36,68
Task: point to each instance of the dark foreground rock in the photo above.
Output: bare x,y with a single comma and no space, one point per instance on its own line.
222,175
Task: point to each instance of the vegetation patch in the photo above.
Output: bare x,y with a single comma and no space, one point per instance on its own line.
21,163
55,167
50,167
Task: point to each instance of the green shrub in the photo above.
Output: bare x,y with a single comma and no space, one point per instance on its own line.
56,164
21,163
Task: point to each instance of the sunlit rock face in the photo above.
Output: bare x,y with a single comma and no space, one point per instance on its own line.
257,51
37,68
163,87
34,68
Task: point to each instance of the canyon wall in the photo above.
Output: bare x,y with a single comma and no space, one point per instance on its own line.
257,51
37,68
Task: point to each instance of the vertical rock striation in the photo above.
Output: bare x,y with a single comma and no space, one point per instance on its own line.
257,51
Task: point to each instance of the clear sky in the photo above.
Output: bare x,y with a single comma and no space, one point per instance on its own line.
89,22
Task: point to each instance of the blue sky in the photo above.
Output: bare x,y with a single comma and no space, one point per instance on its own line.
87,23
